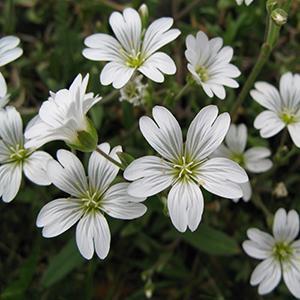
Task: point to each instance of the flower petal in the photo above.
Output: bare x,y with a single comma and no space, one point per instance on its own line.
116,73
11,127
206,133
10,181
272,280
101,171
35,167
84,236
3,87
58,216
178,205
267,95
221,176
294,130
102,47
119,204
127,28
286,226
146,166
10,55
268,123
69,175
236,138
158,34
262,271
163,62
101,235
255,250
291,278
165,135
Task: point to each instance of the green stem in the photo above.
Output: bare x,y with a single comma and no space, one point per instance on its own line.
271,39
182,91
256,200
110,158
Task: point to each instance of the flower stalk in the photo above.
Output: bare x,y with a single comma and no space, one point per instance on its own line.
275,20
109,158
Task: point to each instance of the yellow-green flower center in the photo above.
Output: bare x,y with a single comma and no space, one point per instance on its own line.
288,117
133,59
203,74
282,251
18,153
91,201
186,170
238,158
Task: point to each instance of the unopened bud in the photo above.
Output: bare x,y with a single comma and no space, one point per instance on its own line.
280,190
279,16
144,13
271,4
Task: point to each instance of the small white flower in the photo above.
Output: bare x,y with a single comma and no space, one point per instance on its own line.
4,97
280,254
283,107
247,2
185,166
15,157
209,64
254,159
134,91
62,116
88,201
132,49
9,50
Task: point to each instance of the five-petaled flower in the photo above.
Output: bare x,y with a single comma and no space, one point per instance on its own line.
209,64
283,107
185,167
254,159
280,254
88,201
133,48
16,158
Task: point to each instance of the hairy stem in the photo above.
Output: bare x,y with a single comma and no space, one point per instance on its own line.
110,158
271,38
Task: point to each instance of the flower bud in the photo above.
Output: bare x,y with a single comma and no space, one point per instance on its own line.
271,4
87,139
144,13
279,16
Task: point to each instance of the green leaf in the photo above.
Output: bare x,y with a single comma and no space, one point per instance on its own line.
17,288
62,264
211,241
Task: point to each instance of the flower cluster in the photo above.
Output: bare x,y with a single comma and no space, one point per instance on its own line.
212,155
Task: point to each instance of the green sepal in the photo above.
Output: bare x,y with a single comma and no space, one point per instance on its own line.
87,140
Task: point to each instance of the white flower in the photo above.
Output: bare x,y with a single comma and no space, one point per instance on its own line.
283,107
254,159
209,64
88,201
63,116
280,254
9,50
15,157
247,2
132,49
134,91
185,166
4,97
